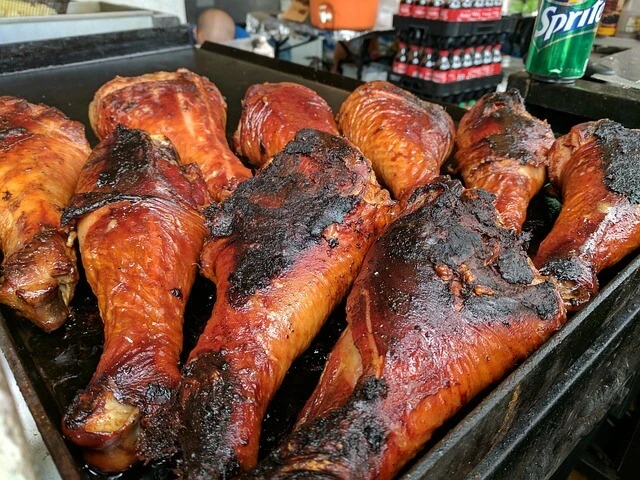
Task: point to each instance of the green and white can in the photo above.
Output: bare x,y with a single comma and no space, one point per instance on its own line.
562,39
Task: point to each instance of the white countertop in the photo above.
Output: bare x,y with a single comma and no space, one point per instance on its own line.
43,466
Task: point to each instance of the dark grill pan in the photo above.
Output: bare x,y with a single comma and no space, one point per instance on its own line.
522,428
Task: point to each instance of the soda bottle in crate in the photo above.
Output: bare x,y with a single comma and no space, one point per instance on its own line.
497,10
434,8
427,59
406,8
467,61
415,45
487,60
400,61
445,53
455,73
427,63
497,59
420,8
443,65
480,8
450,12
466,11
478,57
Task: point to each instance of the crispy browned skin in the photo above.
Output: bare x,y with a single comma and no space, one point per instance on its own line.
406,139
446,304
272,114
41,155
597,168
503,149
140,230
181,105
283,251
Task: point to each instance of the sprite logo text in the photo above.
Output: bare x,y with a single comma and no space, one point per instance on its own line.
562,20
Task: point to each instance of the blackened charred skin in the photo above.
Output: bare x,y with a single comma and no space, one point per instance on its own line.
129,165
577,279
514,267
539,298
621,158
462,232
505,109
130,153
158,435
205,407
341,445
261,206
508,146
565,269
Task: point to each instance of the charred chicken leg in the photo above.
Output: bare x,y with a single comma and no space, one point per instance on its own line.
445,305
406,139
41,155
503,150
284,249
140,229
272,114
181,105
597,168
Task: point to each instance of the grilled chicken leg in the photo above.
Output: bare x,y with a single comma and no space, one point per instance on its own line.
503,149
41,155
446,304
284,249
406,139
140,230
597,168
272,114
185,107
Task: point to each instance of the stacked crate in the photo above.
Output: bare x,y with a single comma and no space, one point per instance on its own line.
450,50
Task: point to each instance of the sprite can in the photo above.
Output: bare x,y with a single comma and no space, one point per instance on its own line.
562,39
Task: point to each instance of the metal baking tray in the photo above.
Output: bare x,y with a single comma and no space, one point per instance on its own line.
521,428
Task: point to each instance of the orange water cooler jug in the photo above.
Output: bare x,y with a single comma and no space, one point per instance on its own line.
343,14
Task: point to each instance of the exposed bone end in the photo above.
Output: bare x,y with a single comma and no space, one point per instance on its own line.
39,280
116,459
106,428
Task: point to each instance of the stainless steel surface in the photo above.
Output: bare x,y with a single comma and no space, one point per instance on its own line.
626,66
23,455
16,462
85,18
